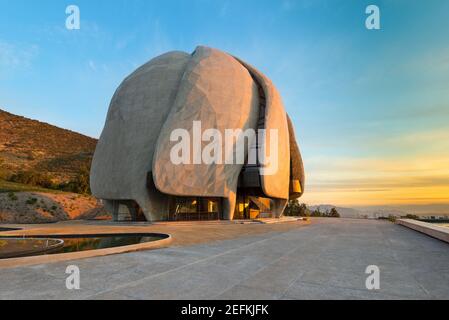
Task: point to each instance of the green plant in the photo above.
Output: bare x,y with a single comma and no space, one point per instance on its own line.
32,178
12,196
22,180
80,184
31,201
392,218
4,173
334,213
296,209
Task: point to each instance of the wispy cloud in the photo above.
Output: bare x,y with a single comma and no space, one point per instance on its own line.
89,33
13,55
224,9
92,65
160,41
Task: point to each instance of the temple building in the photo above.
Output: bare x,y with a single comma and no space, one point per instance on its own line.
133,171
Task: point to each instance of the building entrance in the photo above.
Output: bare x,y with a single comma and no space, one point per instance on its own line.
252,207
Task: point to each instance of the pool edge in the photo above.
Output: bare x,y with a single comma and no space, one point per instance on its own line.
60,257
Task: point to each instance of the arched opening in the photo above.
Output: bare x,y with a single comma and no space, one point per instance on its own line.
127,210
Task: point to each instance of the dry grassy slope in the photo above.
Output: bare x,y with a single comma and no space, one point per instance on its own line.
45,207
27,144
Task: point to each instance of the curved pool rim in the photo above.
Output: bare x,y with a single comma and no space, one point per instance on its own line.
88,235
165,240
56,244
7,229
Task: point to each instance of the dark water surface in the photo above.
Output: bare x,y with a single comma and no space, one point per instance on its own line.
72,243
75,244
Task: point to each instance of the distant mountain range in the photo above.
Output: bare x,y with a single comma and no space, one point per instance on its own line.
30,145
385,211
344,212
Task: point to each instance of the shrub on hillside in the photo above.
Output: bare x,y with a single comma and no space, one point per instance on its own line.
32,178
31,201
12,196
4,174
80,184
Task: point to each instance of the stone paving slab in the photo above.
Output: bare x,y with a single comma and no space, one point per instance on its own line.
324,260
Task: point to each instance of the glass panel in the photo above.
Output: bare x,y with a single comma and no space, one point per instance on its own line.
186,205
123,209
195,209
242,207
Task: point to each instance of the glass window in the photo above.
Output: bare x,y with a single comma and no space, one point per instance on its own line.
197,208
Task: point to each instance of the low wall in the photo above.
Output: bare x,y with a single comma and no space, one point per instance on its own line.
441,233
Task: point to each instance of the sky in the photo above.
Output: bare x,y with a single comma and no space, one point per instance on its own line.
370,107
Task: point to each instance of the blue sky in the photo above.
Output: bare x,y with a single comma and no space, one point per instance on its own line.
371,107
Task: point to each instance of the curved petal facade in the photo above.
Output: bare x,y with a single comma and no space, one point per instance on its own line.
218,92
297,174
138,110
199,97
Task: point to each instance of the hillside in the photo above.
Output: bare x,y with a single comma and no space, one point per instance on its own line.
39,205
29,145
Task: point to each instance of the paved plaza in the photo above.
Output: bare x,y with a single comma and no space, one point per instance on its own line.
326,259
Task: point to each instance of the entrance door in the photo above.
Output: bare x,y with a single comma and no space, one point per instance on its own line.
241,207
251,207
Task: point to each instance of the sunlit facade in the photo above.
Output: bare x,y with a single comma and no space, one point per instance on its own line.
132,171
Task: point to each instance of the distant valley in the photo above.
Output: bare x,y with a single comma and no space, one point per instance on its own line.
385,211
